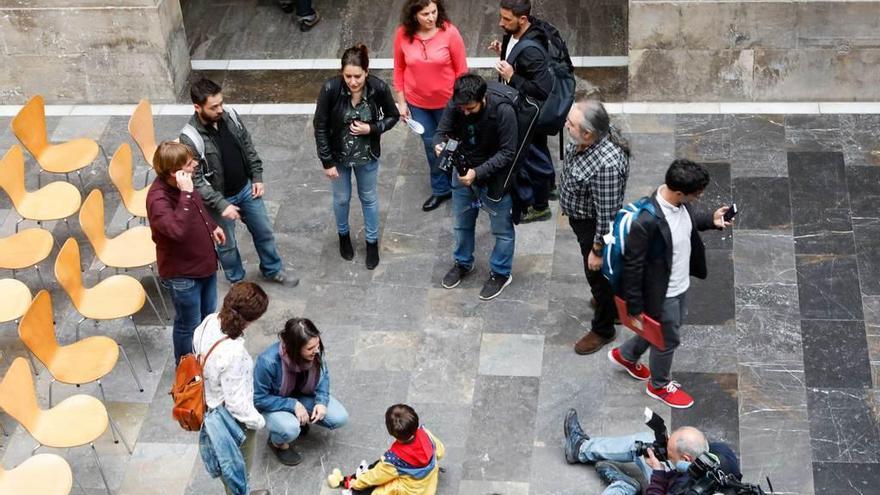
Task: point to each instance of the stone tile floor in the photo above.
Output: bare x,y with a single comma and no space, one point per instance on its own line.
781,350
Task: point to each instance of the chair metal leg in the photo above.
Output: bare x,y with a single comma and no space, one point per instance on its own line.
77,327
153,305
3,429
100,468
104,153
13,272
18,222
50,392
131,368
40,276
39,178
81,181
100,271
118,431
36,447
127,222
159,291
101,389
143,349
69,230
33,363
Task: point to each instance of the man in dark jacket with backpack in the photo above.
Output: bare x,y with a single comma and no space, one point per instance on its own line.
527,69
663,250
230,179
485,125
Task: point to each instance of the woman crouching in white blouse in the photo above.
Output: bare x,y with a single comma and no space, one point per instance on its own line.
226,441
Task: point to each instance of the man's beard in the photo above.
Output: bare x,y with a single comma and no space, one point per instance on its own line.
573,140
508,31
474,117
209,120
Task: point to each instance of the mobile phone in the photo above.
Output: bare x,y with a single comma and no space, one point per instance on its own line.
730,213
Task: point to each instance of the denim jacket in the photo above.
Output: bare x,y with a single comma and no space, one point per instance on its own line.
220,441
267,383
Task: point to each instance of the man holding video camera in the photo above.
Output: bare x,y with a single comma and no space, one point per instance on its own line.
477,135
665,463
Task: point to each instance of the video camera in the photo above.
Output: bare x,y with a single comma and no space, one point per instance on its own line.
452,157
661,437
707,477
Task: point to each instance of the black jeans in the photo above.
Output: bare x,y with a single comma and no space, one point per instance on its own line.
603,315
539,165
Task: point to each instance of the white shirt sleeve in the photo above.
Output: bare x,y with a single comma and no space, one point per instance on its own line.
237,384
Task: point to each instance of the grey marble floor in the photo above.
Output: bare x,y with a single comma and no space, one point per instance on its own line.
781,347
257,29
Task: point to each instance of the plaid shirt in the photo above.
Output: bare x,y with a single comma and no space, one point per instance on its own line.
593,183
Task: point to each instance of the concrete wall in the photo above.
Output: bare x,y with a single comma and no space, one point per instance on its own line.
745,50
82,51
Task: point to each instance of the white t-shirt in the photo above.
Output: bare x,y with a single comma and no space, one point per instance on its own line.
680,227
510,44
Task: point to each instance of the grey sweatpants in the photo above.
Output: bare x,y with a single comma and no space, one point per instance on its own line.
660,362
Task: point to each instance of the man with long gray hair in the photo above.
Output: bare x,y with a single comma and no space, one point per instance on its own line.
593,180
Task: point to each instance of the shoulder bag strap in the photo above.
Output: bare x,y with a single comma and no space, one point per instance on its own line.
203,361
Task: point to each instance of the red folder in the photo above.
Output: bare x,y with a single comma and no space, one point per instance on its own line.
648,328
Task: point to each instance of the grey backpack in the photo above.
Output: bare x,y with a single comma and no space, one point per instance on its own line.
193,134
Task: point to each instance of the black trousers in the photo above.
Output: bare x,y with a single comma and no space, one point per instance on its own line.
603,315
540,168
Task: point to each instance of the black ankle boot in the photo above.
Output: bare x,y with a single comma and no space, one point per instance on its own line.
345,248
372,255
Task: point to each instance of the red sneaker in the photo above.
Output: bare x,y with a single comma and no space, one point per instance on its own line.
672,395
635,370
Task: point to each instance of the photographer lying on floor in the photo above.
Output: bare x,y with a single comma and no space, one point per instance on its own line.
663,462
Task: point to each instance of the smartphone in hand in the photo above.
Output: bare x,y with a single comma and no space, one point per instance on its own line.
730,213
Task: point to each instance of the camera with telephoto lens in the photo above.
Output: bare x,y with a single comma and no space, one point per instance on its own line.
451,157
707,478
661,437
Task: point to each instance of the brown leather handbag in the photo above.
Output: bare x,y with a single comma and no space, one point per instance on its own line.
188,390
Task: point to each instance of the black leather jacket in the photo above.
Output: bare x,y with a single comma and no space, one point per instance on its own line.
647,262
330,111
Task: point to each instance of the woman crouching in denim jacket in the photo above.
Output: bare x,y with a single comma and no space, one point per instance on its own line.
353,110
226,440
292,388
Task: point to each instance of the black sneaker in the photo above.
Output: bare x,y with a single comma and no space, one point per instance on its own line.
454,275
308,22
494,286
288,456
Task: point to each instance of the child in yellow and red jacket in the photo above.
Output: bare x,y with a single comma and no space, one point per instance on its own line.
409,467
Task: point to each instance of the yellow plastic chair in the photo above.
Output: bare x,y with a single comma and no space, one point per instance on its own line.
141,130
133,248
26,249
140,127
135,200
76,421
45,474
85,361
15,298
55,201
29,126
119,296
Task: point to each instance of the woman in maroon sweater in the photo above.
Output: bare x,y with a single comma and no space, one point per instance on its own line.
184,234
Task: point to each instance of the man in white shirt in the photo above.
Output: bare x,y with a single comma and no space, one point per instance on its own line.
663,250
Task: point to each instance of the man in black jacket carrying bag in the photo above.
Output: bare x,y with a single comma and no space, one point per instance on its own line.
485,126
663,250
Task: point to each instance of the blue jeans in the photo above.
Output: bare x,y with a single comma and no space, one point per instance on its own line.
220,445
253,214
285,428
441,182
465,214
367,176
193,299
618,449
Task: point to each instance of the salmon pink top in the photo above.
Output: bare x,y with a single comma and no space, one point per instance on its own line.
426,69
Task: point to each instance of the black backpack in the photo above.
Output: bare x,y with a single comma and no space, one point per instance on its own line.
554,110
527,111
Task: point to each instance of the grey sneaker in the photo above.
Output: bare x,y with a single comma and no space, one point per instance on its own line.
610,473
574,436
533,215
494,286
282,278
308,22
454,275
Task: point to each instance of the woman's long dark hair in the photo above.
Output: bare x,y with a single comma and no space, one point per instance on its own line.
245,302
412,7
296,334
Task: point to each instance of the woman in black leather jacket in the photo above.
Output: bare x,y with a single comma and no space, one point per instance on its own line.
353,110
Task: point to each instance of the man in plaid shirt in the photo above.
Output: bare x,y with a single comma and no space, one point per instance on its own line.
593,181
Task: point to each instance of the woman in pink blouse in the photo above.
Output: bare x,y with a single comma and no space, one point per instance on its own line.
429,55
